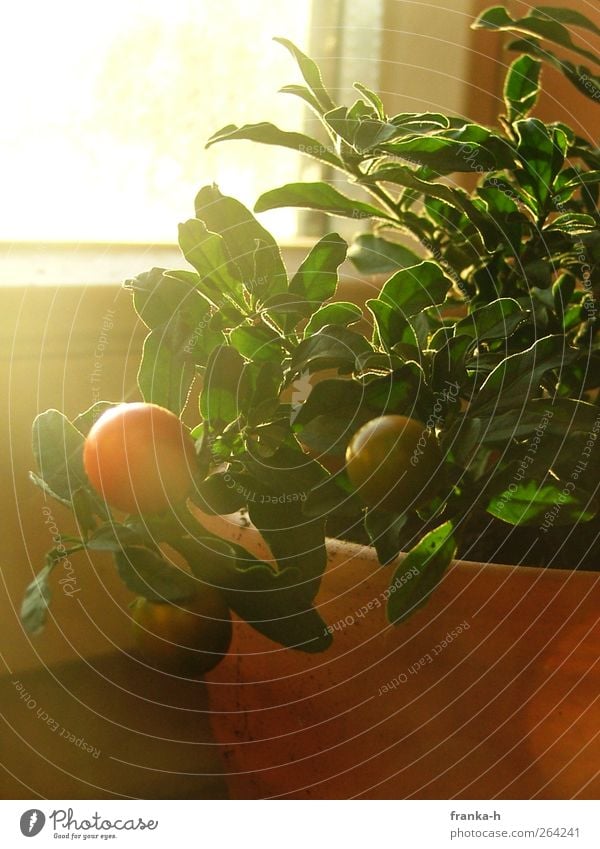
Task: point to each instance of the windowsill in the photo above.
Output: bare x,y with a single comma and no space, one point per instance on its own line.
24,264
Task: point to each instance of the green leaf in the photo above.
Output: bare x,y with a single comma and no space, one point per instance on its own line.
541,155
295,540
548,27
304,94
330,347
525,502
579,76
208,254
373,99
222,493
164,376
225,389
252,249
449,370
521,87
316,279
413,289
333,497
262,268
146,573
420,572
335,397
385,533
84,421
259,343
497,320
442,154
115,537
341,314
559,416
267,133
565,16
311,73
373,255
275,605
320,196
390,324
58,452
575,224
34,607
519,375
159,295
457,198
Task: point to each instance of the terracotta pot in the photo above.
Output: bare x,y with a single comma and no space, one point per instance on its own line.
490,691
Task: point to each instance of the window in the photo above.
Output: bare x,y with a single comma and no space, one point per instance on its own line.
110,106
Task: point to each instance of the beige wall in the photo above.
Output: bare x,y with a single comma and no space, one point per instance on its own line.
47,342
425,60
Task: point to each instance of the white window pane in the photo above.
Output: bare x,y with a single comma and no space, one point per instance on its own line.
107,108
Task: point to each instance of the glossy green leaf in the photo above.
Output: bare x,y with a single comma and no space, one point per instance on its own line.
164,376
58,452
316,280
34,607
341,314
519,375
526,502
208,254
329,347
84,421
259,343
374,255
275,605
261,268
319,196
304,94
115,537
413,289
457,198
548,27
373,99
581,77
267,133
158,295
442,154
541,154
497,320
147,574
521,87
385,533
420,572
225,390
222,493
390,324
565,16
560,416
311,73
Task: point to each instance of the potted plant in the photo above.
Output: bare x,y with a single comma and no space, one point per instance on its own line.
458,418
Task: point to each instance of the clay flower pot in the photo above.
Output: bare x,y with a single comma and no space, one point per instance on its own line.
489,691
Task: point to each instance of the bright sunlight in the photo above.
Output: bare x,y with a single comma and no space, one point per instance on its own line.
108,107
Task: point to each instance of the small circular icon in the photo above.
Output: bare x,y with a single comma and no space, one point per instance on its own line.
32,822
